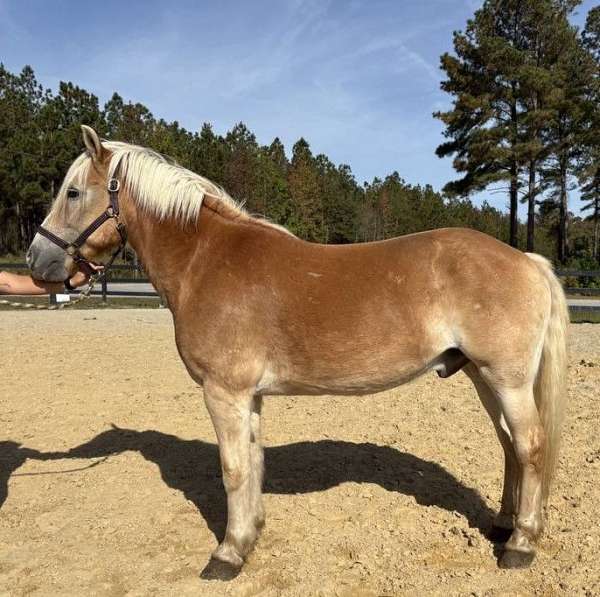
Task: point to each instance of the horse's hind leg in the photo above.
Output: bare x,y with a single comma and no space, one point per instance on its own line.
231,416
504,520
521,415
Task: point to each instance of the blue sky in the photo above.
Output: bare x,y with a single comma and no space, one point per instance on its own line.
358,79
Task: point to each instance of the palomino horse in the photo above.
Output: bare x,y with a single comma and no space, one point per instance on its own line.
258,312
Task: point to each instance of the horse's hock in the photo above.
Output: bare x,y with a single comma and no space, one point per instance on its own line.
111,483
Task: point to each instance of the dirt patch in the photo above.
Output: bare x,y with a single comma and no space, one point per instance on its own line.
378,495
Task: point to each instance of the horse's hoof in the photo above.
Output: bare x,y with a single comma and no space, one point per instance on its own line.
499,534
516,559
219,570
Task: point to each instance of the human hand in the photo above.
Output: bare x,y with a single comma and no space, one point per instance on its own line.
80,278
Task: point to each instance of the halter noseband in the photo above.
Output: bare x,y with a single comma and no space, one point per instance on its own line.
110,213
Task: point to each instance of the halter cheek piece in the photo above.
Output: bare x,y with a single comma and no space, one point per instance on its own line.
110,213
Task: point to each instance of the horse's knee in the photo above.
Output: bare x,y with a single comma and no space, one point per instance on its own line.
233,477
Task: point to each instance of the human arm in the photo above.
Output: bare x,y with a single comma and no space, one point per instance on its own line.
24,284
19,284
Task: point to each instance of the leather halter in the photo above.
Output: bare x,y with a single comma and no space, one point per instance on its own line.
110,213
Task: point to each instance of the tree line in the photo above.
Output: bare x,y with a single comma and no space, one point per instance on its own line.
497,72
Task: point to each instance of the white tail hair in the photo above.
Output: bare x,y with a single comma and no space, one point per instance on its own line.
550,387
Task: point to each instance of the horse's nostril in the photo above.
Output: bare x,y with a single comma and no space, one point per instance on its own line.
29,257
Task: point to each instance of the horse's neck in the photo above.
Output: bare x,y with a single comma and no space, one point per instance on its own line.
166,248
170,250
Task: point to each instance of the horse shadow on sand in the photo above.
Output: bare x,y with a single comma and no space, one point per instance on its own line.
192,467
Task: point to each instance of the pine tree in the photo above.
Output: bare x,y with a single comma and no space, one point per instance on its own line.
271,183
588,170
303,185
570,109
207,154
338,191
535,84
132,123
22,188
58,124
499,77
483,126
590,195
240,166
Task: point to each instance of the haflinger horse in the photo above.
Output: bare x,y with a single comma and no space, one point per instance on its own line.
257,312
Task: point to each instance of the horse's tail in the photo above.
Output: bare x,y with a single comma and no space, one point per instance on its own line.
550,387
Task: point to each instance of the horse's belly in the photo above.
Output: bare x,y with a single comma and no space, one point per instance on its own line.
371,360
350,383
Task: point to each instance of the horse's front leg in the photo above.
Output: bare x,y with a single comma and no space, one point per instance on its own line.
231,416
257,462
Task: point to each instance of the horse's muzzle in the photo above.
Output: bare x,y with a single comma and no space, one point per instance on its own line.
46,261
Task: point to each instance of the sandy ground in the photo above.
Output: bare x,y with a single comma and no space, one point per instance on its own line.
379,495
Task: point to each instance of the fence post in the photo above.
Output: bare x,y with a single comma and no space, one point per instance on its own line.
52,299
104,289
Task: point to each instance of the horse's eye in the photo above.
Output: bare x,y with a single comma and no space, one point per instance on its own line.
72,193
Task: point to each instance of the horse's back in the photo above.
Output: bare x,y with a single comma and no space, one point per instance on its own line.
431,267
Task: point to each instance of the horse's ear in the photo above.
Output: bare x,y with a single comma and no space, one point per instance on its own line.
92,142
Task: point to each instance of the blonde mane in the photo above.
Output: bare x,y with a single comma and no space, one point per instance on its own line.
160,186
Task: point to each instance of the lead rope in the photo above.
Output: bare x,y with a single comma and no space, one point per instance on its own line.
84,294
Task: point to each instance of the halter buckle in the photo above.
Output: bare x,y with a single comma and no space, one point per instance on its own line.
113,185
71,250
